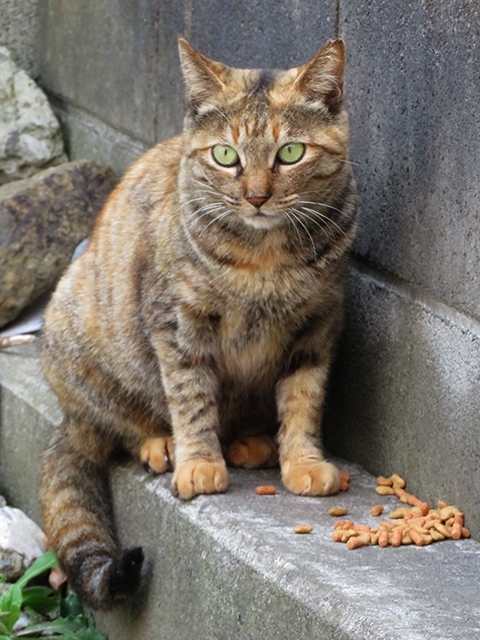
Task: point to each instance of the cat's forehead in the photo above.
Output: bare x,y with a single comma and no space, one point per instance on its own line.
255,104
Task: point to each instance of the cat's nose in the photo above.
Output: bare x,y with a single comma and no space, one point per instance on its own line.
257,201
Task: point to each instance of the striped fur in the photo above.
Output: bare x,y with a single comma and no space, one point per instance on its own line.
199,315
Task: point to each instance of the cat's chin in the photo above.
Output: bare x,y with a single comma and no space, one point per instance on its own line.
264,221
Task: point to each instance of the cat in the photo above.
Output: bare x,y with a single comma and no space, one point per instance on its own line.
206,307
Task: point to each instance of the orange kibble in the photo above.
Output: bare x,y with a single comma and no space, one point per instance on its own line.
344,475
416,538
397,481
303,528
362,540
384,482
383,539
343,485
458,518
364,528
456,531
265,490
384,490
338,511
377,510
465,533
395,537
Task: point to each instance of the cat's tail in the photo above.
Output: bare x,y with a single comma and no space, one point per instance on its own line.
77,513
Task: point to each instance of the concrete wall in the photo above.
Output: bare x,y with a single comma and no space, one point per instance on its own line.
404,393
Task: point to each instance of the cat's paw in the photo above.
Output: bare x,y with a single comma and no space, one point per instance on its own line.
316,478
254,452
199,476
157,454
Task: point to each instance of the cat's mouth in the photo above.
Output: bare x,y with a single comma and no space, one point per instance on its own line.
262,219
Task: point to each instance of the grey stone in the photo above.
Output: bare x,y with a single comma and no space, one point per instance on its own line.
230,566
30,136
19,32
404,396
42,221
413,88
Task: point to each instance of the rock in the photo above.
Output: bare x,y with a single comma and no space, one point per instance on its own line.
42,220
21,541
30,135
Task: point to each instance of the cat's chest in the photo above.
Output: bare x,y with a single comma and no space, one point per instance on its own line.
252,339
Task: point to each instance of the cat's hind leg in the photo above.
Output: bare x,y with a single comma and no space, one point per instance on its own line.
253,452
158,454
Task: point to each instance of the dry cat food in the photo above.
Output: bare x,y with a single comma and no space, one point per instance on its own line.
338,511
265,490
303,528
416,524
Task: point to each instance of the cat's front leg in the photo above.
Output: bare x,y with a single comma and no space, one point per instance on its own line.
300,395
191,389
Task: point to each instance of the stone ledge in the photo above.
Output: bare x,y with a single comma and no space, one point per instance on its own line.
230,566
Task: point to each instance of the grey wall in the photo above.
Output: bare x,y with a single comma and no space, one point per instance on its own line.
404,394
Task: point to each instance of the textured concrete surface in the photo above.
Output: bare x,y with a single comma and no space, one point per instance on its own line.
413,87
405,395
230,566
19,32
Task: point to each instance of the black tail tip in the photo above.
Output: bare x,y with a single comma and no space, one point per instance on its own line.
125,572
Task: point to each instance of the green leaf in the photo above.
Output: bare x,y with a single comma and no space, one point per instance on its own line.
4,638
70,606
10,604
41,599
47,561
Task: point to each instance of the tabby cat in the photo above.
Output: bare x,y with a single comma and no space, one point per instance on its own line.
206,308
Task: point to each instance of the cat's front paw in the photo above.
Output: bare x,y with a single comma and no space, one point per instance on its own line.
199,476
316,478
157,454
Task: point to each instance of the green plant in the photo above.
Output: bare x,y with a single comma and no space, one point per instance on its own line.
49,614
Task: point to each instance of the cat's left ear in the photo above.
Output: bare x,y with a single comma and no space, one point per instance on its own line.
321,79
203,77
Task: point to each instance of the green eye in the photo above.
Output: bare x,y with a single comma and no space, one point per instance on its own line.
225,155
291,152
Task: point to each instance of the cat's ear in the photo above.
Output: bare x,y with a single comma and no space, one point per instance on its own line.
321,79
203,77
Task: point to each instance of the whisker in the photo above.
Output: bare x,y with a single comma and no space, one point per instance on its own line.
308,233
320,204
324,217
325,230
216,219
294,226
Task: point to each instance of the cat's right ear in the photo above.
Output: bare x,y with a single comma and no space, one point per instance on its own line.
203,77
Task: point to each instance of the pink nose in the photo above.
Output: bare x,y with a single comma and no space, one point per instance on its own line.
257,201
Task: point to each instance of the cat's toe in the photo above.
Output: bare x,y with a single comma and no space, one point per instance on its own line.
157,455
199,476
317,478
253,452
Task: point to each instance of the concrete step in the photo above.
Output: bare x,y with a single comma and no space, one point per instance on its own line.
230,566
